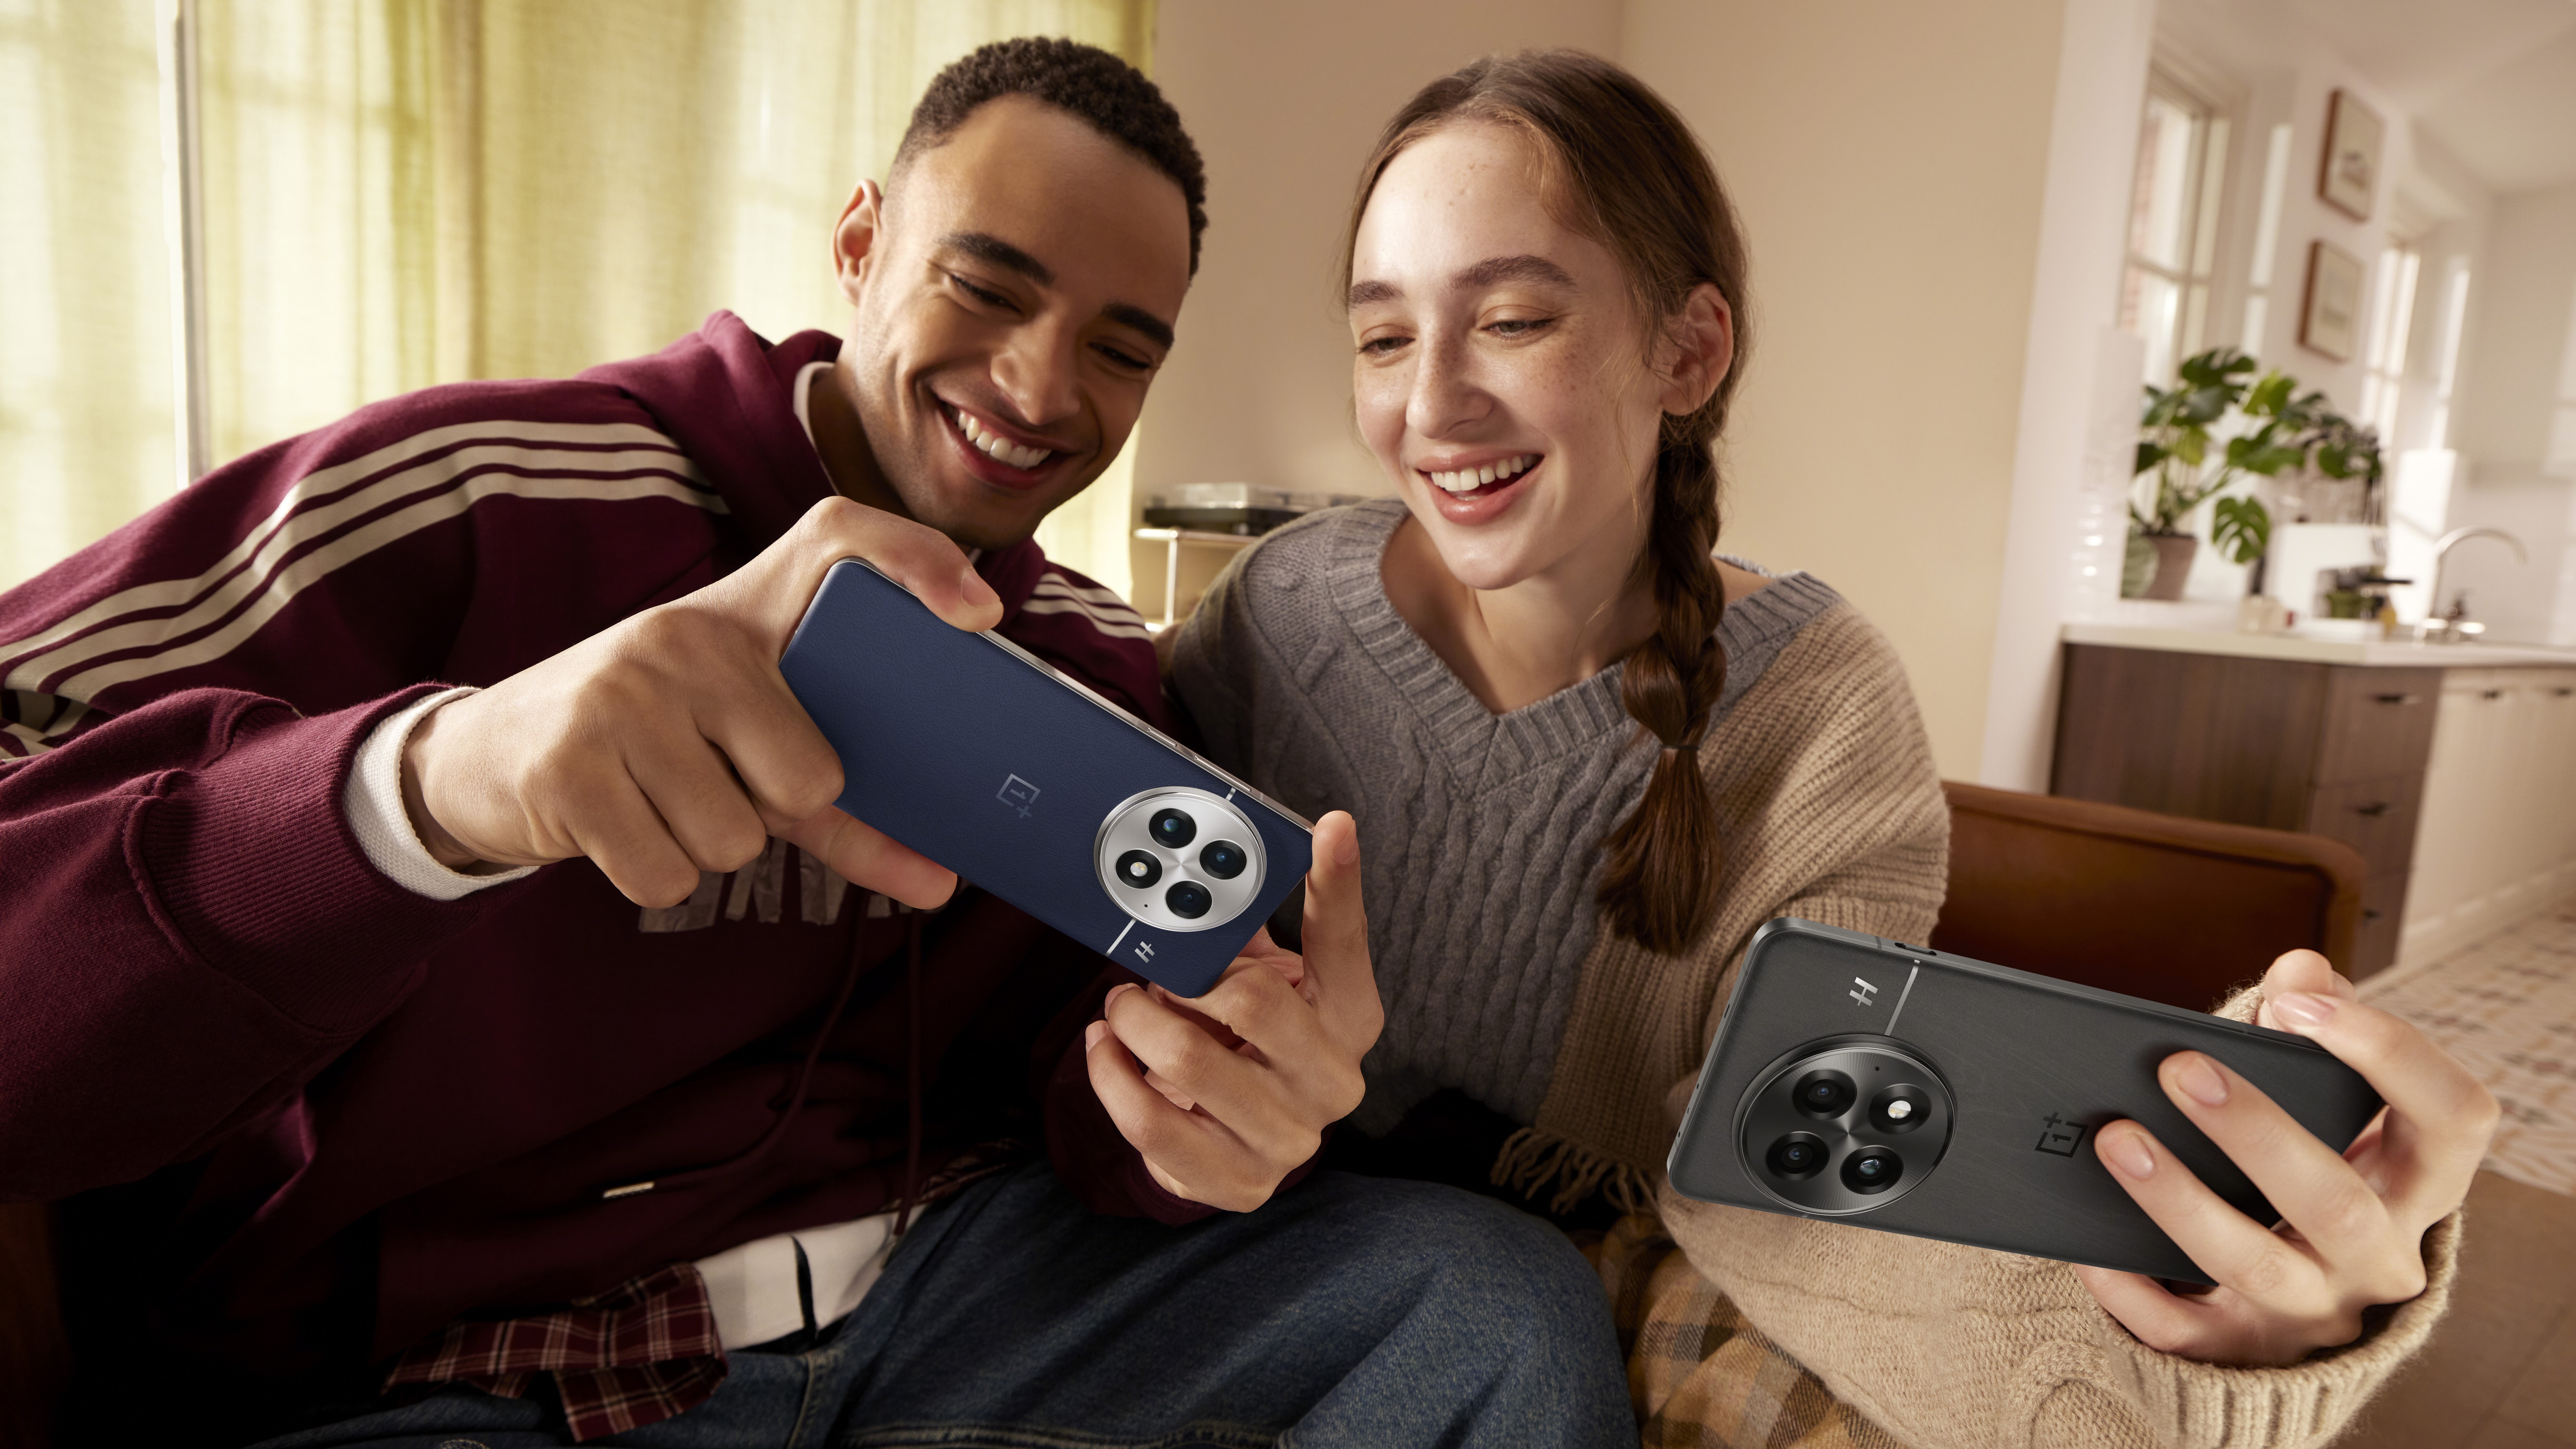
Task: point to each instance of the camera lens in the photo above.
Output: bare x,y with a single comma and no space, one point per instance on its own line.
1872,1169
1824,1093
1188,898
1900,1108
1223,859
1798,1155
1138,869
1173,828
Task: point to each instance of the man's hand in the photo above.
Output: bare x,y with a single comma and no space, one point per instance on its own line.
1228,1094
670,744
2354,1221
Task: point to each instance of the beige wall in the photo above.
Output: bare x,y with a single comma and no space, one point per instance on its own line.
1284,101
1889,160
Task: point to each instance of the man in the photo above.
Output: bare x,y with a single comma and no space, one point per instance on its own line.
422,1061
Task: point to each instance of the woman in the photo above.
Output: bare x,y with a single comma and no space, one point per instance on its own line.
1588,759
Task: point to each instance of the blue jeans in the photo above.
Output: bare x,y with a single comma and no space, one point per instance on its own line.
1348,1311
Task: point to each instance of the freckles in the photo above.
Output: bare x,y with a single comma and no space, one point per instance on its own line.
1378,403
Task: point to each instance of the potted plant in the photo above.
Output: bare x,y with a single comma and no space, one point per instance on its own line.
2179,465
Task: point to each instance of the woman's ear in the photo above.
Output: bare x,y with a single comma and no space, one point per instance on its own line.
1702,342
855,239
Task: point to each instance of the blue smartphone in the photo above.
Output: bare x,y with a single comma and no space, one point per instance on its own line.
974,752
1889,1086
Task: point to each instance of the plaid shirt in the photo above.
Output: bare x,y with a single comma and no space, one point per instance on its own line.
1699,1375
637,1354
645,1350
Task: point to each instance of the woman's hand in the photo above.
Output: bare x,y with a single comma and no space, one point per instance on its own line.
2354,1221
1227,1094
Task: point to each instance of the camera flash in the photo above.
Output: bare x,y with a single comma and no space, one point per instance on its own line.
1900,1109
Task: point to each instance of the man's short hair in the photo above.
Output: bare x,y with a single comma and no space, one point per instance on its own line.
1113,97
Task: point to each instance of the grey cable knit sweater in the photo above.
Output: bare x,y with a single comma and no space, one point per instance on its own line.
1460,809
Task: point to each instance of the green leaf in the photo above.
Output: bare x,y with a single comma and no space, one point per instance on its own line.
2269,461
2267,397
2240,529
2216,367
2149,455
2192,446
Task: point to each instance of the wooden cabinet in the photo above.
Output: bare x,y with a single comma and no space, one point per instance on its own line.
2335,750
2457,786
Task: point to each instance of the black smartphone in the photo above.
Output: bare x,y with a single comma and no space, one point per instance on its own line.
1866,1081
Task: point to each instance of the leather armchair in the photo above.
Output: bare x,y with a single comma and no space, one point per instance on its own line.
32,1353
2172,909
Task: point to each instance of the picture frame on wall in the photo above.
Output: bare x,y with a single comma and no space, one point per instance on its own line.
2330,315
2348,178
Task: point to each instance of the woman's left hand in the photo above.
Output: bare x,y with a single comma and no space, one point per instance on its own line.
2354,1221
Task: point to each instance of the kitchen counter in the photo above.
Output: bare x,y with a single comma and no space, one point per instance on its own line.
2379,653
2450,769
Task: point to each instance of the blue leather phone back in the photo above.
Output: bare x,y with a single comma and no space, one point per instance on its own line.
981,757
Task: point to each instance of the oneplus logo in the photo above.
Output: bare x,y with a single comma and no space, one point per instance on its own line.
1144,950
1866,996
2059,1136
1019,794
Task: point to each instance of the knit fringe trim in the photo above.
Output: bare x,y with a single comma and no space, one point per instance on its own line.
1532,1159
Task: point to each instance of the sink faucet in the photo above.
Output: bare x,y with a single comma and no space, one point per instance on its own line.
2451,626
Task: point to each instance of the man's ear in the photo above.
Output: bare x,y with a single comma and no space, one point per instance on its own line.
854,241
1701,340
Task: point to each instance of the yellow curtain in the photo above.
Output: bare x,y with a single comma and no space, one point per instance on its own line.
406,192
87,433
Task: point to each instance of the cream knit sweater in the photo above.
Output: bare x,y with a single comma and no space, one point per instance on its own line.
1829,808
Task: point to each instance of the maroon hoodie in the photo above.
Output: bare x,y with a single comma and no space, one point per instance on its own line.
304,1117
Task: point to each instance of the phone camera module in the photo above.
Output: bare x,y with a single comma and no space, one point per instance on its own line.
1173,828
1825,1093
1844,1125
1180,859
1872,1169
1796,1157
1900,1108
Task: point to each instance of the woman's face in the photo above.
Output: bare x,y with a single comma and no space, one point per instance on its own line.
1501,375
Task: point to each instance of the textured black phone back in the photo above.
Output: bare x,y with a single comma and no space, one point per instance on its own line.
2034,1066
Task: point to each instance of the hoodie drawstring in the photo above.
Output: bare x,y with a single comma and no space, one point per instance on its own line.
911,1075
804,1080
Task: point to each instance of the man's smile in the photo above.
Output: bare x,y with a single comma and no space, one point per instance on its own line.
996,453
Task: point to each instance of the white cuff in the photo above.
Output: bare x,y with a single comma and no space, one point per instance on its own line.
373,801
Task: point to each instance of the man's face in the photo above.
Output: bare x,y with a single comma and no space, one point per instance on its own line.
1015,294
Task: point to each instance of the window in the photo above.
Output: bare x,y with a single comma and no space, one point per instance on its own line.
2267,239
2455,313
384,194
2173,223
2392,314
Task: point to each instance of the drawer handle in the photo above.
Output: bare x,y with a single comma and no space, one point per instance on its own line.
2402,698
2371,915
2374,809
2561,692
2490,694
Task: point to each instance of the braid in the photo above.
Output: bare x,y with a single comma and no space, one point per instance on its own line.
1659,882
1623,168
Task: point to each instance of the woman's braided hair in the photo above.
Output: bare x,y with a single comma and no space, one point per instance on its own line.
1620,166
